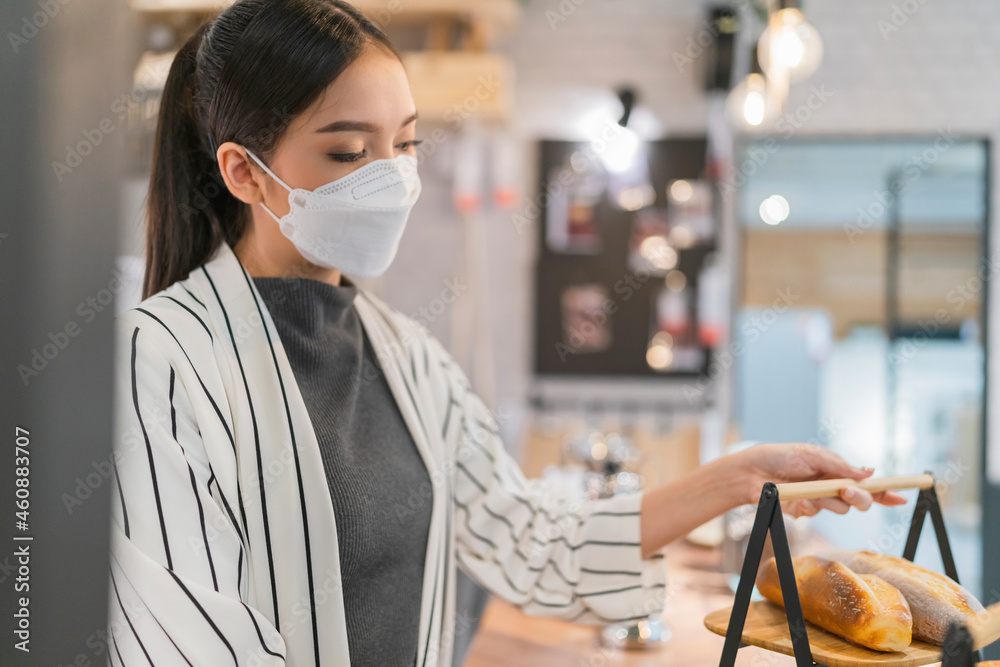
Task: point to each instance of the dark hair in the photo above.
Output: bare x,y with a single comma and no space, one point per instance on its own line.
241,77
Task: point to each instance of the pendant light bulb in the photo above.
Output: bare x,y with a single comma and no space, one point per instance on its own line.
790,43
754,102
748,104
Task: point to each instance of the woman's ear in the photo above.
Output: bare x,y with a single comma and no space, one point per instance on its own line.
240,178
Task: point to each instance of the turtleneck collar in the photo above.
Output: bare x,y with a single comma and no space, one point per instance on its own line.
307,303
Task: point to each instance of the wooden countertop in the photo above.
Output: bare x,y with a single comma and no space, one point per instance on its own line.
695,587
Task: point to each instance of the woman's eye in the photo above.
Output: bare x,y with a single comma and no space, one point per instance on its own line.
407,145
347,157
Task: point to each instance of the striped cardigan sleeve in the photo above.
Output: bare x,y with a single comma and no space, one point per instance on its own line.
551,556
178,560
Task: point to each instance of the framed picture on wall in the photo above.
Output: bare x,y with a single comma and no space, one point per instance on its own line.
621,255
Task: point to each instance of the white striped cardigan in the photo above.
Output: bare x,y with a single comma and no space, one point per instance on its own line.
224,545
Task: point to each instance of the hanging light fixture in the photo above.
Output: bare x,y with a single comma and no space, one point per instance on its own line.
790,44
620,152
750,104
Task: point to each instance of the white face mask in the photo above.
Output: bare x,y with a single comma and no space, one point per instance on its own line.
353,223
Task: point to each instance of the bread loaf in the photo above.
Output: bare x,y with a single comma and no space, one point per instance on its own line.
863,609
935,600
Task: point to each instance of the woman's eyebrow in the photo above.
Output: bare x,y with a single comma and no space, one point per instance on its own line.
359,125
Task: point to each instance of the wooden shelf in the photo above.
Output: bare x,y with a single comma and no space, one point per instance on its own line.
195,6
498,13
452,85
767,627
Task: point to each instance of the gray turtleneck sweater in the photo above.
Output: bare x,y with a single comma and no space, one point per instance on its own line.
372,464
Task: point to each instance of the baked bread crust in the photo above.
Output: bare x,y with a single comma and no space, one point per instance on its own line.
935,600
863,609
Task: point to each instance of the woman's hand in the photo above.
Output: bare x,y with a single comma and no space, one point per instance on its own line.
800,462
672,510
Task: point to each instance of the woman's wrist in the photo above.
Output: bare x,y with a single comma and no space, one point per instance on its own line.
737,477
672,510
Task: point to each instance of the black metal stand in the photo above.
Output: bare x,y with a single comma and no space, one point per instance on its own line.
770,518
928,500
957,650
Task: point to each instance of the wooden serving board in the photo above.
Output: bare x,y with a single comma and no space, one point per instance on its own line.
767,627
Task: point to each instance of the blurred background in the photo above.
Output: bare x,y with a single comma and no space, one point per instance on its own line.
651,232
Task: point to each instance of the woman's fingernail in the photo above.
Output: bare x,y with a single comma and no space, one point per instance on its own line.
849,493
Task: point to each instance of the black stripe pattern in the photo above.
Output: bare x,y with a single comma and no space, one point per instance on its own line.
224,544
548,555
179,566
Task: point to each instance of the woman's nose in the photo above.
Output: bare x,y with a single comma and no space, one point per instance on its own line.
385,150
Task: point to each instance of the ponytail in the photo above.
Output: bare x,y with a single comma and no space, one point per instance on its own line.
241,77
189,209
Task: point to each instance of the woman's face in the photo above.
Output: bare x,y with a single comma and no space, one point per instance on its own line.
366,114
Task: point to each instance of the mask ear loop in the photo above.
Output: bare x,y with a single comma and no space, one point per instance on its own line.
273,175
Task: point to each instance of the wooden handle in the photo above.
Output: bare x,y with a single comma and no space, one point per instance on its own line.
829,488
985,627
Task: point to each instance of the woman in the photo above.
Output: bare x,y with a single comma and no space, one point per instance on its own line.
300,468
